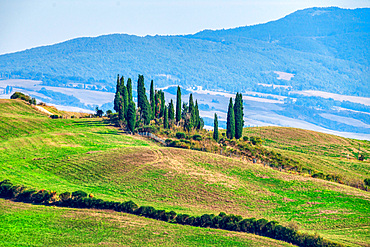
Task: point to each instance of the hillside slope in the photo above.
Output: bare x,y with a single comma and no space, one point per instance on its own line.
319,152
29,224
319,46
90,155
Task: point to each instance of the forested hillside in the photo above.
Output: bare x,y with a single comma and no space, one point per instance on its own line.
322,48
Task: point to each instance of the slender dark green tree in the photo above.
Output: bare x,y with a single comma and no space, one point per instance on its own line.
192,111
140,92
125,98
238,113
129,90
191,104
230,125
163,103
121,108
171,111
215,128
152,99
157,100
121,85
131,116
118,84
146,112
116,97
142,101
197,117
178,104
165,120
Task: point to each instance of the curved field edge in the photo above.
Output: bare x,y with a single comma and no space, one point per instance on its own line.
34,225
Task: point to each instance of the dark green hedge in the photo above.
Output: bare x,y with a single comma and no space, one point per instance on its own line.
79,199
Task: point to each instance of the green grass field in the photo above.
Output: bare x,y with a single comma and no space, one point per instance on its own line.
317,151
32,225
91,155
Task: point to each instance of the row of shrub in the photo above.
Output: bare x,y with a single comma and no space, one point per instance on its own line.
182,135
80,199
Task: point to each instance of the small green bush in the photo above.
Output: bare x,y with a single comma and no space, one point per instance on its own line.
41,196
65,196
79,194
26,195
197,137
180,135
245,138
367,181
256,140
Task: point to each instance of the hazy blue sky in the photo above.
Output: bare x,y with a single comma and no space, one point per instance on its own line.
30,23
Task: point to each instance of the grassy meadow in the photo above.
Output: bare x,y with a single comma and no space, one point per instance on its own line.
318,151
93,156
34,225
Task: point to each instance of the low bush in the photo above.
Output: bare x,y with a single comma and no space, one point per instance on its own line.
79,194
367,181
180,135
197,137
65,196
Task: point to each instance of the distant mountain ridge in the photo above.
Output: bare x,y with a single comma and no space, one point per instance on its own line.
325,49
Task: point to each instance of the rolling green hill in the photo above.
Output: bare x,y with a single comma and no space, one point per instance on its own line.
90,155
318,152
23,224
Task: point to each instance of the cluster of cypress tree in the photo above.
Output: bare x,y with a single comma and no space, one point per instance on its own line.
190,115
124,104
154,108
79,199
235,122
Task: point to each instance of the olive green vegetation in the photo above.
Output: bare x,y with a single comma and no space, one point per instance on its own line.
90,155
319,152
35,225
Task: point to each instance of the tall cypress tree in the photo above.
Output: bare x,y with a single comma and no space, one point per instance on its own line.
165,120
116,97
142,101
238,113
197,117
152,100
118,84
171,111
191,104
178,104
121,85
121,108
163,102
131,116
116,101
215,128
140,92
157,103
129,90
230,125
125,98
